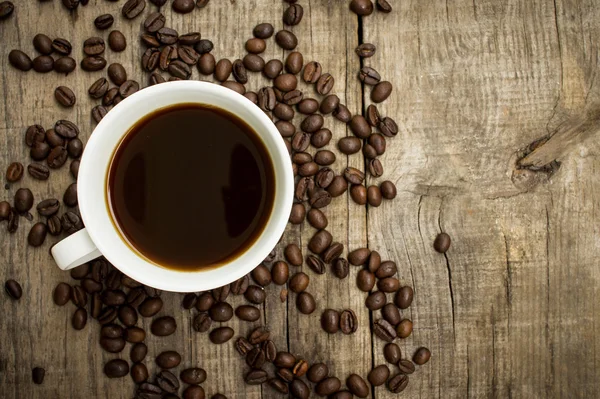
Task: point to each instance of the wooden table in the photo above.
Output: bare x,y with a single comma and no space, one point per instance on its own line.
510,311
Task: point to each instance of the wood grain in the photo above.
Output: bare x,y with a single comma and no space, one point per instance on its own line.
509,311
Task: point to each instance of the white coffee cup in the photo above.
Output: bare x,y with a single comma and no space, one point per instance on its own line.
101,237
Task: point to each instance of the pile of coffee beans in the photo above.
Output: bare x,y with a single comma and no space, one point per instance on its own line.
118,303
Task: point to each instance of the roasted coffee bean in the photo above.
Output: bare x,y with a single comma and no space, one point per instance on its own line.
333,252
286,82
80,272
205,301
357,385
98,89
239,71
117,74
112,345
20,60
253,62
168,359
133,8
300,141
65,65
138,352
194,375
79,297
328,386
148,39
240,286
129,87
320,198
194,391
358,193
93,63
70,196
94,46
312,123
320,241
381,91
286,39
299,389
365,50
263,31
376,300
279,385
23,200
34,134
304,187
188,55
183,6
71,222
99,112
180,69
391,314
386,269
117,41
43,63
348,322
324,157
376,170
361,7
353,175
167,380
5,210
325,84
61,46
406,366
293,15
37,375
369,152
330,321
384,330
398,383
442,242
259,335
284,360
280,273
108,314
54,139
349,145
189,300
337,187
206,64
315,264
221,311
256,377
340,268
293,254
221,335
166,55
74,148
13,289
392,353
190,39
300,368
127,315
37,234
374,261
255,294
201,3
369,76
163,326
155,78
64,96
255,358
317,372
372,116
247,313
365,280
379,375
360,127
308,169
297,214
283,112
317,219
13,221
305,303
116,368
266,99
6,9
79,319
223,69
404,297
57,157
14,172
73,4
150,306
261,275
243,346
299,282
147,390
62,294
321,138
294,62
388,190
285,374
308,106
388,284
255,45
202,322
73,168
204,46
139,373
342,113
104,21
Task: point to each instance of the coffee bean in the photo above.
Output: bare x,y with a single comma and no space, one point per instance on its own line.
75,148
150,306
358,193
299,282
397,383
79,319
349,145
34,134
376,300
255,294
256,377
348,322
388,127
37,375
111,331
14,172
70,196
336,186
325,84
37,234
259,335
388,190
99,112
155,78
365,280
139,373
381,91
94,46
286,39
138,352
293,254
300,368
369,76
357,385
386,269
98,89
54,139
167,380
333,252
179,69
328,386
297,214
294,62
112,345
188,55
205,301
73,168
223,69
442,241
80,272
286,82
6,9
43,63
261,275
384,330
201,3
361,7
57,157
365,50
353,175
43,44
61,46
71,223
284,360
392,353
279,385
240,286
65,65
221,311
183,6
190,39
299,389
168,359
163,326
324,157
255,358
117,74
194,375
116,368
247,313
312,123
117,41
189,300
263,31
280,273
378,375
305,303
315,264
376,170
255,45
64,96
221,335
204,46
388,284
194,391
206,64
13,221
149,391
5,210
330,321
20,60
133,8
62,294
127,315
73,4
317,372
391,314
320,198
342,113
202,322
104,21
360,127
93,63
340,268
13,289
23,200
320,241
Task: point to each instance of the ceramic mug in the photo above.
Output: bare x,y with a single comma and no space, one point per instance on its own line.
101,237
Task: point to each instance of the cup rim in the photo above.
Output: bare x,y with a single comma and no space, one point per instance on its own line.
96,160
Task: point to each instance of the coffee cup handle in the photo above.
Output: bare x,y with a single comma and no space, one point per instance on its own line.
75,250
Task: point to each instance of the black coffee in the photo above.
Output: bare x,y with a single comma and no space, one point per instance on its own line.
191,186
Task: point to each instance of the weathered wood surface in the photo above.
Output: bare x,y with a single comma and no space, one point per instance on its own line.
509,312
